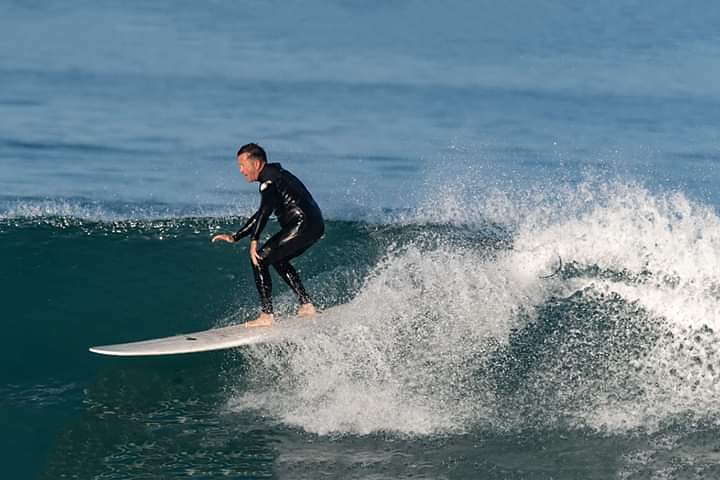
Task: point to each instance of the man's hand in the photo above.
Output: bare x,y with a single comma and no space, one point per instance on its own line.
254,257
225,237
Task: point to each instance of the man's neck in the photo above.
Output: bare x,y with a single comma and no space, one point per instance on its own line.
262,169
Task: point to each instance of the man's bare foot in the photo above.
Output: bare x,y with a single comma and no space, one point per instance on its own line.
264,320
306,310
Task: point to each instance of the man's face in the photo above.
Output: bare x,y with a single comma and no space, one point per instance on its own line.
250,168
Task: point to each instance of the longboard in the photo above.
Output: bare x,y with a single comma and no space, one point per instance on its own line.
207,340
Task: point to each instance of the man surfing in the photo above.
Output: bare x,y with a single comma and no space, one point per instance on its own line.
301,225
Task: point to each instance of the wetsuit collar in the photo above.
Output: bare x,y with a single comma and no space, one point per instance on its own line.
266,173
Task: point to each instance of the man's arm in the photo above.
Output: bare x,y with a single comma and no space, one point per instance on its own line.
267,205
255,224
243,232
247,228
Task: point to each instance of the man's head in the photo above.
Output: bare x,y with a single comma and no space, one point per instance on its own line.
251,159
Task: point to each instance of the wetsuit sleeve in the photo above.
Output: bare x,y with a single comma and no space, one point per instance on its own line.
267,205
246,229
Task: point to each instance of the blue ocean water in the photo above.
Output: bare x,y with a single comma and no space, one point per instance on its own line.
522,220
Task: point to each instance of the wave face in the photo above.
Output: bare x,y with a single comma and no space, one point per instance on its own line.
586,310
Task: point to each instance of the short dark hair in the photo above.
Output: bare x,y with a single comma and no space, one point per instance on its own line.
254,151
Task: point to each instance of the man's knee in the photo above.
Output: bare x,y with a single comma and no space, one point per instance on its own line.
282,266
268,257
262,257
262,263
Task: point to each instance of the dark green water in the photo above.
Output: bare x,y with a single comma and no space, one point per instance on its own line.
449,362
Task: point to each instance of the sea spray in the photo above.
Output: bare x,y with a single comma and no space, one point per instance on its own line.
599,313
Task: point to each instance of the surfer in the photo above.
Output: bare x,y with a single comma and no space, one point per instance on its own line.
301,225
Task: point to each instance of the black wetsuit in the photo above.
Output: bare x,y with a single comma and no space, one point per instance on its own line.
301,225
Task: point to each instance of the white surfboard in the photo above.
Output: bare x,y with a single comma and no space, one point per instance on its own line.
213,339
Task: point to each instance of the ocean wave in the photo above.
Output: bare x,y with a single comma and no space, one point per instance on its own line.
447,336
586,306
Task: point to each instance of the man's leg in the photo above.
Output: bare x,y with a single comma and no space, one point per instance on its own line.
280,249
291,277
288,273
263,282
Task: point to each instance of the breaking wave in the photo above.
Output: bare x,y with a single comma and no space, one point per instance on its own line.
593,306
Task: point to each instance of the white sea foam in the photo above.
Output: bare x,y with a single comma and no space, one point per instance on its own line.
55,208
109,212
406,355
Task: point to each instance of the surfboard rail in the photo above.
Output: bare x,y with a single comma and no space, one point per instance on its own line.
207,340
